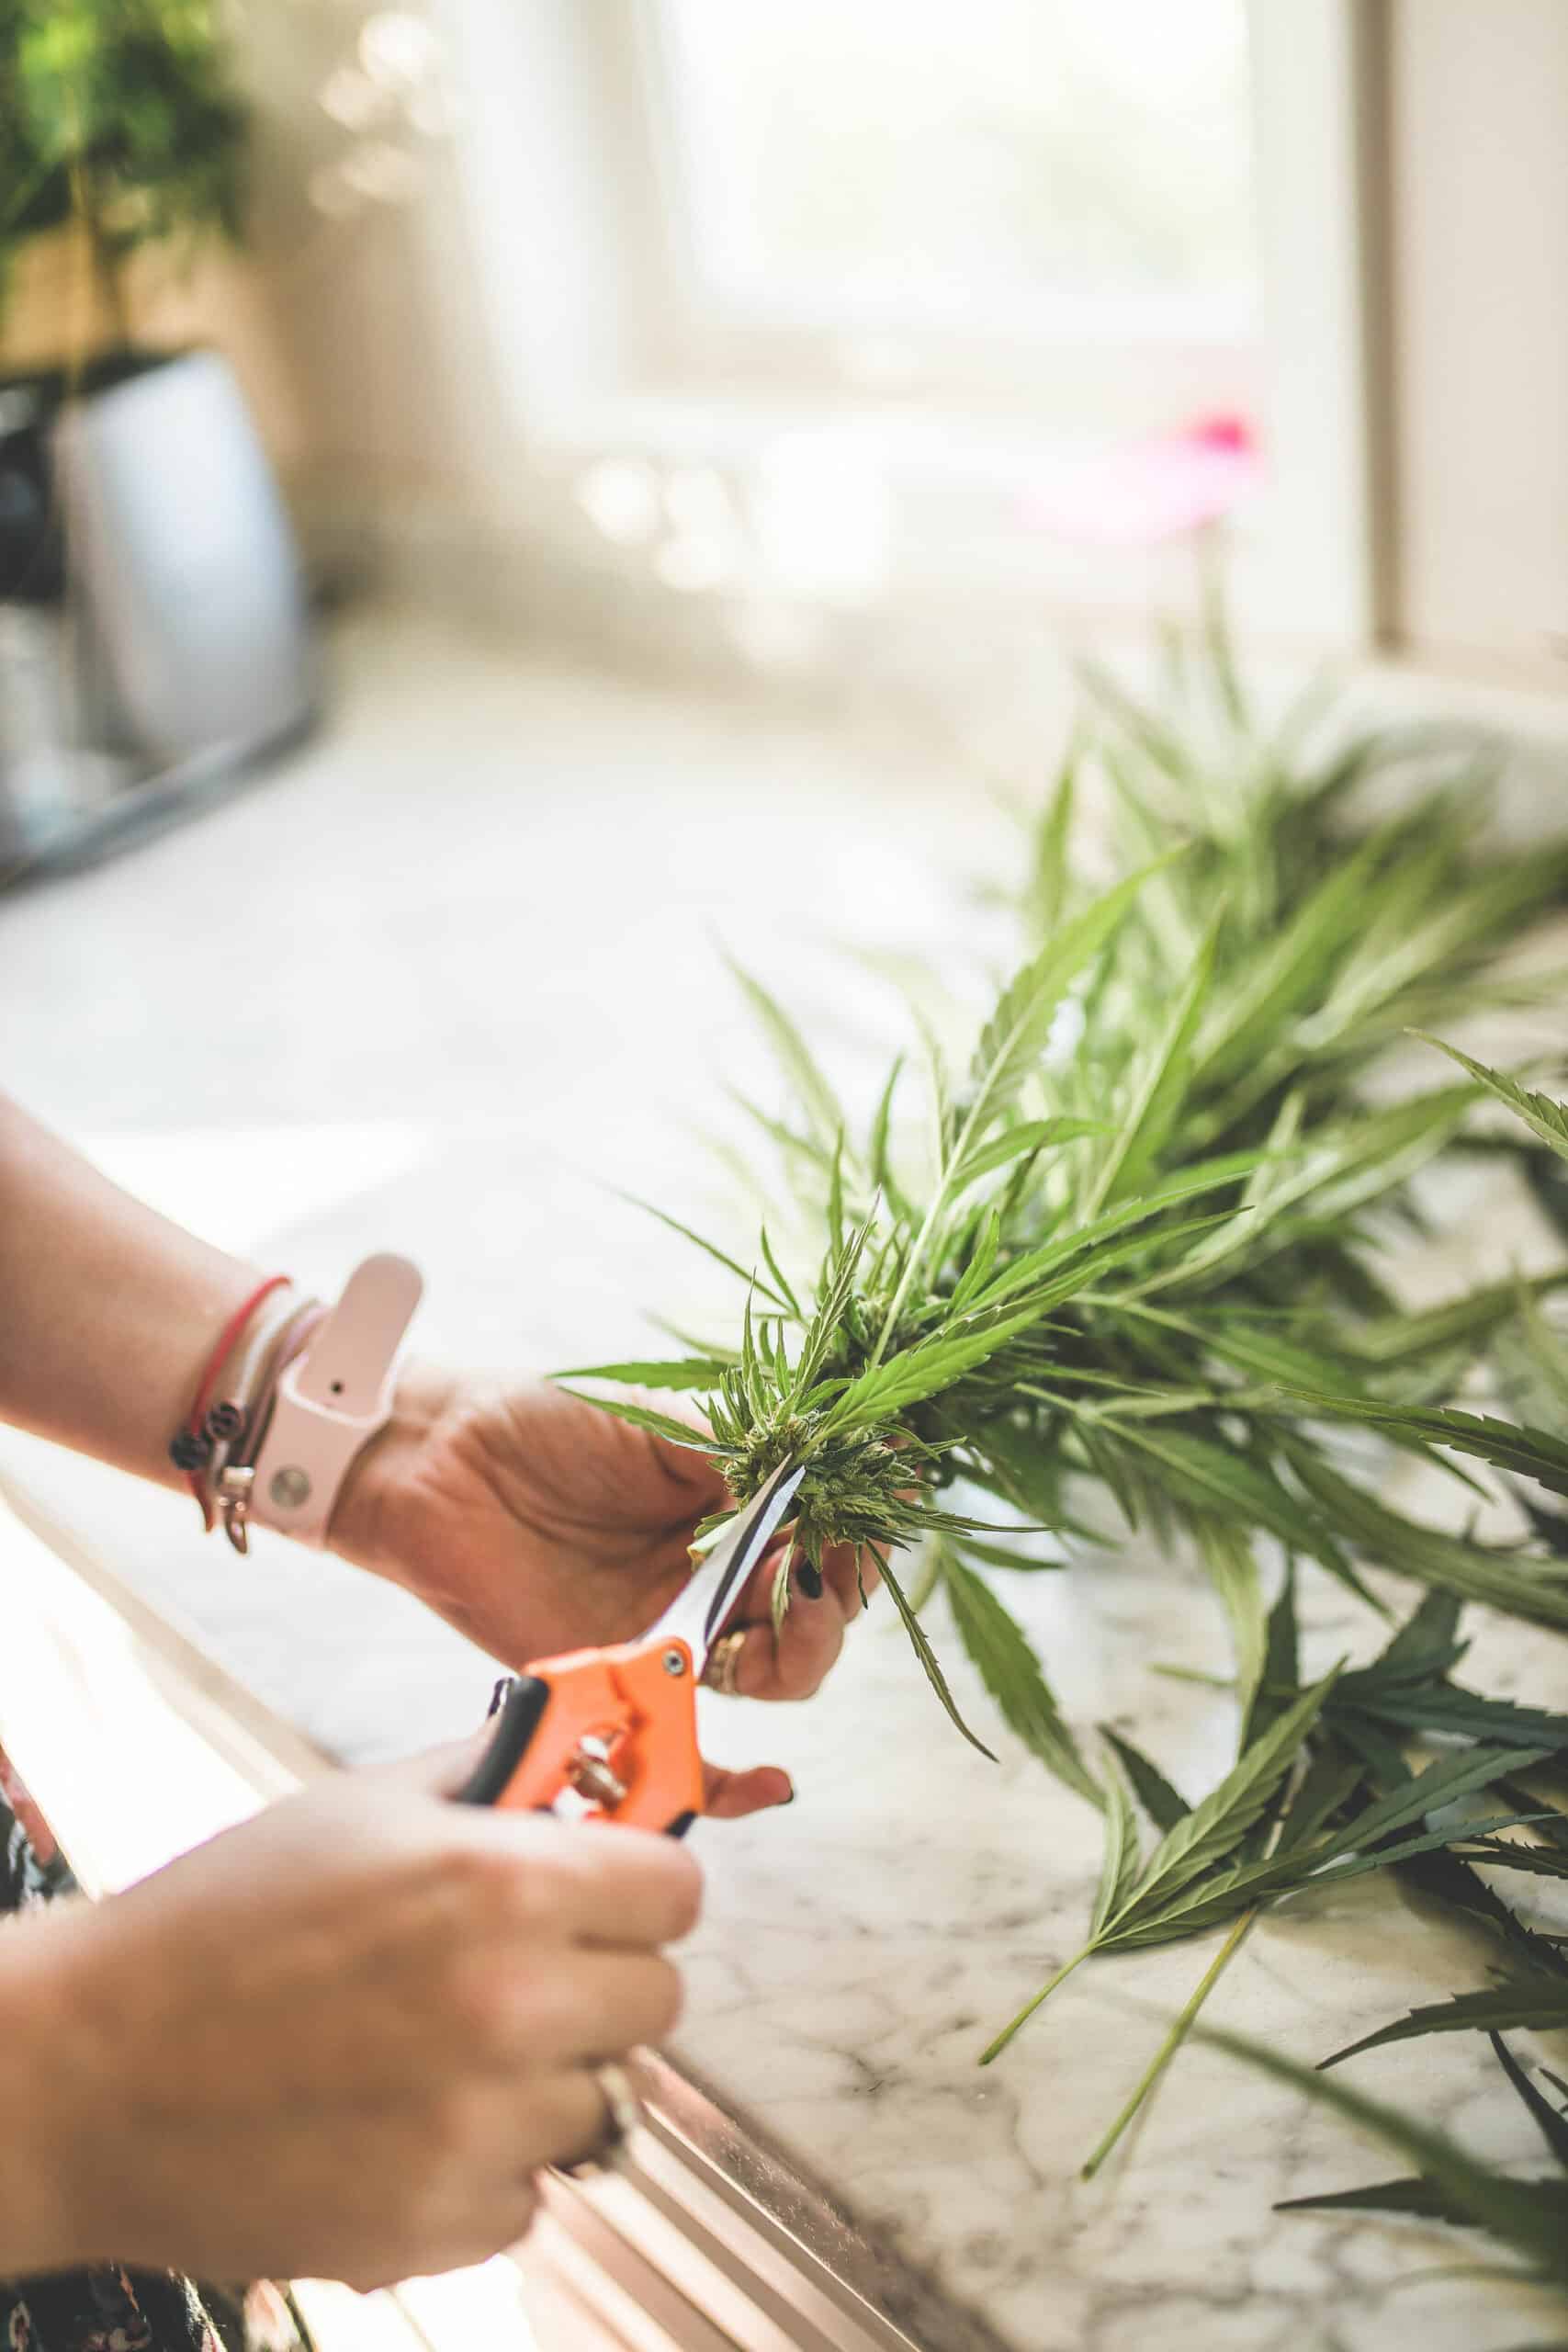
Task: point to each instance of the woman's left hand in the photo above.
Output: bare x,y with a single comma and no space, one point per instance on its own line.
536,1525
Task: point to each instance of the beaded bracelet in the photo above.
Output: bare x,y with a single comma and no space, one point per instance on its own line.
276,1332
232,1477
190,1447
306,1388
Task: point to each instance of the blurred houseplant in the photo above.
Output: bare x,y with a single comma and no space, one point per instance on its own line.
118,130
122,131
117,121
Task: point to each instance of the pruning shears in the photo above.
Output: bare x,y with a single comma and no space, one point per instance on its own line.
619,1727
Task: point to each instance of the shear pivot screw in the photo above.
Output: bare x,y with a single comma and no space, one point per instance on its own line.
674,1661
590,1771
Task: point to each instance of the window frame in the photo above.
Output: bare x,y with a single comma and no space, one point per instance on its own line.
818,350
601,349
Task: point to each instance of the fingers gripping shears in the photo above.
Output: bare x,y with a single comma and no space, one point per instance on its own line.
619,1727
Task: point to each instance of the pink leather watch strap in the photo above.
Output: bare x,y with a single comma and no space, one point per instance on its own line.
332,1400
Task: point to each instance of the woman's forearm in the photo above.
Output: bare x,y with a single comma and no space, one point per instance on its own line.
42,2226
107,1311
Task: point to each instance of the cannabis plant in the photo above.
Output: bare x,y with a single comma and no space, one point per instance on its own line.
1526,2217
1335,930
1325,1790
1131,1256
1059,1307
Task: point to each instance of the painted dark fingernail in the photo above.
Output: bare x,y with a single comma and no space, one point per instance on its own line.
794,1792
809,1579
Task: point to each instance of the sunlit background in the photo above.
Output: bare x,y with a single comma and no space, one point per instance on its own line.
1010,171
508,505
503,499
760,343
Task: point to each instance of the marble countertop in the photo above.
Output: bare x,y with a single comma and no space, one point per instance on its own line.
522,869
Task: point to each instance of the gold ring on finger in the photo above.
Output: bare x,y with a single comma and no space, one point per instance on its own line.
623,2113
724,1663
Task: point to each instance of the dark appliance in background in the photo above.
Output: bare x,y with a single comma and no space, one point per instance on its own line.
154,640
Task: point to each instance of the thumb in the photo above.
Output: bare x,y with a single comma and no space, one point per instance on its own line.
445,1771
441,1771
728,1795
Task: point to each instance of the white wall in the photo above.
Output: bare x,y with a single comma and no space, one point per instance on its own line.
1478,242
380,313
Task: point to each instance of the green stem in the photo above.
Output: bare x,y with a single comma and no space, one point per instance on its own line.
927,1574
917,1251
1173,2040
922,1239
994,2049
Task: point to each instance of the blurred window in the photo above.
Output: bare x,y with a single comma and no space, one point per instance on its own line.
910,190
967,250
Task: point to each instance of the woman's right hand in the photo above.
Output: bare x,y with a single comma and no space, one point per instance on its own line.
339,2041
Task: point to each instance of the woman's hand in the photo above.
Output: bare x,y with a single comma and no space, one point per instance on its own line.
335,2043
534,1523
537,1525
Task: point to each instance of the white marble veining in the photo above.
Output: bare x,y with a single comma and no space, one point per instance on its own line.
857,1953
495,887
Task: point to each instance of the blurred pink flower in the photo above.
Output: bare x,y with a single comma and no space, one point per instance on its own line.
1142,492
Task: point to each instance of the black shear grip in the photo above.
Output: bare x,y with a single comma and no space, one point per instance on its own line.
521,1700
516,1721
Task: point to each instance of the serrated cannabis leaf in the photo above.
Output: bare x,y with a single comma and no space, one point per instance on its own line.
928,1658
1017,1033
1119,1862
1010,1672
1029,1136
1411,2195
1499,2009
1165,1805
1553,2126
710,1248
816,1097
1544,1117
887,1389
1213,1828
1157,1096
1147,1901
1003,1556
643,1417
1513,2210
1530,1453
681,1371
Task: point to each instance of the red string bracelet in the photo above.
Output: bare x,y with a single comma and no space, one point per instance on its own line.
216,1362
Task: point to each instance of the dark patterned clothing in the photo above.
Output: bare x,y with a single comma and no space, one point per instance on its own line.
112,2308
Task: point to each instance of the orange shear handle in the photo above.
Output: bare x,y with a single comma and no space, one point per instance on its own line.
617,1725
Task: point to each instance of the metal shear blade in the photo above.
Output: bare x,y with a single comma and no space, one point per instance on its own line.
698,1615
